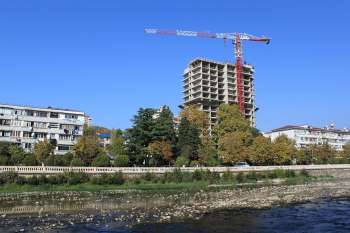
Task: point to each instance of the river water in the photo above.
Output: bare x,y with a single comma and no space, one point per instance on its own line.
315,217
140,213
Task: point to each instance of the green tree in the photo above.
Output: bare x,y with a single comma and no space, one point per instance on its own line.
101,161
283,150
161,151
140,135
117,146
16,154
88,147
323,154
42,150
233,134
164,129
346,150
4,153
188,139
121,160
261,151
29,160
303,156
234,147
230,120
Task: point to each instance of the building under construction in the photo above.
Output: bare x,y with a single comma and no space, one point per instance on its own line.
207,84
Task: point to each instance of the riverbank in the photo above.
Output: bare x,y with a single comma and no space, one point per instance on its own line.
44,211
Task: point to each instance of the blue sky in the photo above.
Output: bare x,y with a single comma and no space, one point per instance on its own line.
94,55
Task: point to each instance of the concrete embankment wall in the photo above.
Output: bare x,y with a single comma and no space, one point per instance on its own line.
335,170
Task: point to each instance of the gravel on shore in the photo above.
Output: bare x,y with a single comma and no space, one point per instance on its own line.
45,212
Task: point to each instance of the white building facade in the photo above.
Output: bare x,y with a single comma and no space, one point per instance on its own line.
306,135
26,126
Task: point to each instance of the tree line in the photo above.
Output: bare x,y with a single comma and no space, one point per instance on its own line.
154,140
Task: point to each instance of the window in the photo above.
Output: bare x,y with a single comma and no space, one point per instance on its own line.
65,137
5,133
29,113
41,114
6,111
5,122
15,133
41,125
40,135
63,147
54,115
27,145
16,123
27,134
71,116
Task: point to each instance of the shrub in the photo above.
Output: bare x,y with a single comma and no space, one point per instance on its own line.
290,173
118,178
149,176
8,177
252,176
50,161
304,173
33,180
227,176
121,161
197,175
176,176
76,162
101,161
3,160
29,160
240,177
194,163
21,180
280,173
181,161
73,178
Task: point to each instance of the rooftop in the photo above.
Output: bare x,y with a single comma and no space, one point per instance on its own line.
310,128
49,108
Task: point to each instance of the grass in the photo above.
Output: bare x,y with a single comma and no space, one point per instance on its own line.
16,188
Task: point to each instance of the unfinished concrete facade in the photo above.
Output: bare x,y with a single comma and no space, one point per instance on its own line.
207,84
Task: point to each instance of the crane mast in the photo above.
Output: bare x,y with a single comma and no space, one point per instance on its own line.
236,38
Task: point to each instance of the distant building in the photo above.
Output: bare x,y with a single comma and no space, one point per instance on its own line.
307,135
105,138
25,126
207,84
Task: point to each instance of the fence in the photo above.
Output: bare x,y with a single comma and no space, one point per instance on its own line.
32,170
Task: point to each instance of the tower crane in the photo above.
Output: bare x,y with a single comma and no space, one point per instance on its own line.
236,39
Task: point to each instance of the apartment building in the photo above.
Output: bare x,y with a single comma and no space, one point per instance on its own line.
307,135
26,126
207,84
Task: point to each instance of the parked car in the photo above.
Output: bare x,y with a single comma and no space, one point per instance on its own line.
241,164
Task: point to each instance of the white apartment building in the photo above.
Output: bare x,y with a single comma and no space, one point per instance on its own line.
307,135
207,84
26,126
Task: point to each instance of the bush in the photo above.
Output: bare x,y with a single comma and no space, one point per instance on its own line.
101,161
227,176
194,163
252,176
4,160
181,161
21,180
73,178
50,161
304,173
240,177
8,177
212,177
116,178
176,176
121,161
197,175
76,162
290,173
29,160
149,176
33,180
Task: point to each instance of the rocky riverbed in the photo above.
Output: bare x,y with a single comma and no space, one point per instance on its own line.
58,212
